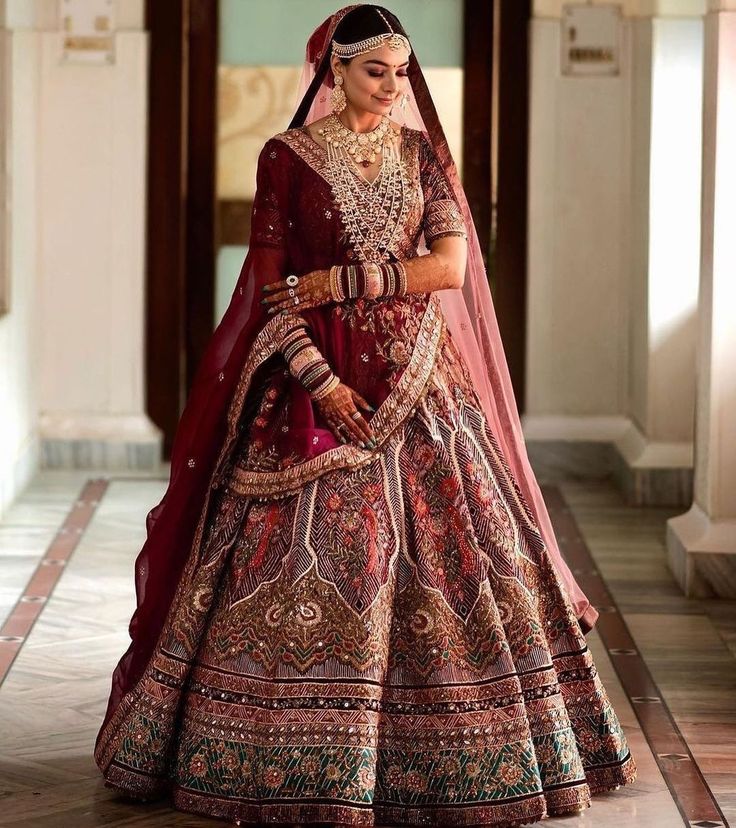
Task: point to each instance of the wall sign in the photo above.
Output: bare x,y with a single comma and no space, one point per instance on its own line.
88,31
590,39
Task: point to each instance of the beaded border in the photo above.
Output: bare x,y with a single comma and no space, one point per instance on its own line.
387,418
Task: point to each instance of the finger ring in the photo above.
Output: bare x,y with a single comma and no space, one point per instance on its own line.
292,280
355,415
291,291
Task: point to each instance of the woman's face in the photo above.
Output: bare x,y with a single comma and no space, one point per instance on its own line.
373,81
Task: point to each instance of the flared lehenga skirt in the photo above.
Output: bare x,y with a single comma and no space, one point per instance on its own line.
388,645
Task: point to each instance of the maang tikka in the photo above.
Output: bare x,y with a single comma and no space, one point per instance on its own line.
337,96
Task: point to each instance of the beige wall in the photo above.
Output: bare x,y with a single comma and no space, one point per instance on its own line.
71,342
633,8
614,226
19,385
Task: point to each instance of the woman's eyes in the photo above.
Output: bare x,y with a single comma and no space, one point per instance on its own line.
380,74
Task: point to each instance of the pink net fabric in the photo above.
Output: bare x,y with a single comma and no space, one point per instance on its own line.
470,313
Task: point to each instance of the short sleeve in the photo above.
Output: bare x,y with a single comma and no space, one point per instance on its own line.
442,213
269,216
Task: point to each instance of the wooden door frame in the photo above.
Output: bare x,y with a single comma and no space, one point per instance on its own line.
180,214
505,256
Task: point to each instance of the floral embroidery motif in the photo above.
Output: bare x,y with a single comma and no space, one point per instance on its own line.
390,414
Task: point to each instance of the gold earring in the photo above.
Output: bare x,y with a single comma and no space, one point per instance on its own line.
403,102
337,97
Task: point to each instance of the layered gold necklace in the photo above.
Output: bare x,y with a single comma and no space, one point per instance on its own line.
361,146
373,211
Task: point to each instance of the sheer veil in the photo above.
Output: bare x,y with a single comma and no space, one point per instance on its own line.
469,312
203,433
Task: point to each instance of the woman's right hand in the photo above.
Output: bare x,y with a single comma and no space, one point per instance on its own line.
339,408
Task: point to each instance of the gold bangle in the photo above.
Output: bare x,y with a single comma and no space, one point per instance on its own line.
326,388
403,278
373,280
335,289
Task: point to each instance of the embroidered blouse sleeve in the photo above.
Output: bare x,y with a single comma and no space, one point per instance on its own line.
269,217
269,224
442,214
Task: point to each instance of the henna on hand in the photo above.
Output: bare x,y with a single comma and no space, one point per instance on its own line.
312,290
339,408
442,268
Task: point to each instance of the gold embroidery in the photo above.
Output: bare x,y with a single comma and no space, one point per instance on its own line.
404,241
443,218
390,415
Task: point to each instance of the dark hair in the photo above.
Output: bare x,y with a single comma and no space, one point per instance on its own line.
365,21
358,24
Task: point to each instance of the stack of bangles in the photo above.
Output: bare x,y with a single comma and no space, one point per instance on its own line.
307,364
367,280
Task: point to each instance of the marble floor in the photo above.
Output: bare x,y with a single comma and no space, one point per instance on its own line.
66,595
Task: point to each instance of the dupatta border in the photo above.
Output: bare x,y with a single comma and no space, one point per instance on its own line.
389,416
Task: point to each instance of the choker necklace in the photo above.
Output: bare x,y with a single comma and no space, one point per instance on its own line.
361,146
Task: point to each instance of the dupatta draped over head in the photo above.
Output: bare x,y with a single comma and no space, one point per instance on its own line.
174,526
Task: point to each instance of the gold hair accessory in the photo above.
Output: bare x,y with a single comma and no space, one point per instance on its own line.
390,38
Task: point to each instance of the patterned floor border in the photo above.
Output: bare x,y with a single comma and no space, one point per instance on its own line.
686,783
26,611
681,773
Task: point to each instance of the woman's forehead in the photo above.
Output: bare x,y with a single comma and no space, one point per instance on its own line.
386,57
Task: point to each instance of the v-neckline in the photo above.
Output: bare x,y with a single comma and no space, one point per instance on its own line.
358,174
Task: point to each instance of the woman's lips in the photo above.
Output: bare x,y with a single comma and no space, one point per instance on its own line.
384,100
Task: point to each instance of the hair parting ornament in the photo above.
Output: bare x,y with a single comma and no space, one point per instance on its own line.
390,38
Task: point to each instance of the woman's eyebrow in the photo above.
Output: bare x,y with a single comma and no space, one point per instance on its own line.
405,63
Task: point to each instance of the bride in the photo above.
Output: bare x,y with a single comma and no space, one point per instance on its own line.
351,607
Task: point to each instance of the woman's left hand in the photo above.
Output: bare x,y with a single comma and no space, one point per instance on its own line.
312,289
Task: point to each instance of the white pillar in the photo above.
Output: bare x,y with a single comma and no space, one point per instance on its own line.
701,543
91,171
19,321
614,179
577,264
656,448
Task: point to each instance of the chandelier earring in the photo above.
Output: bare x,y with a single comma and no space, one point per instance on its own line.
338,100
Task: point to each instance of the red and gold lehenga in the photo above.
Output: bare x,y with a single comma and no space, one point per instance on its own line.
368,637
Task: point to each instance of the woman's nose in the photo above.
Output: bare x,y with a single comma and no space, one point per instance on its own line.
391,85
